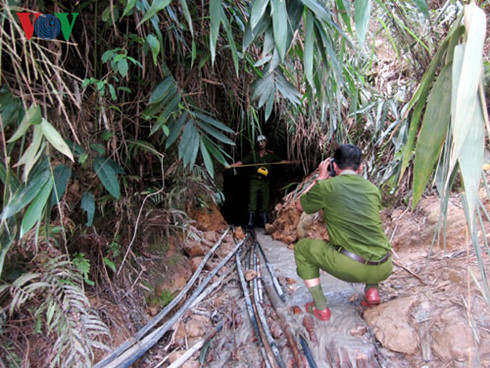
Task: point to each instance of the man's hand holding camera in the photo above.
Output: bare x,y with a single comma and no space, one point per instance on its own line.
325,169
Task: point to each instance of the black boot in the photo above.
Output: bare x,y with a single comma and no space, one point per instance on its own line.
251,219
263,217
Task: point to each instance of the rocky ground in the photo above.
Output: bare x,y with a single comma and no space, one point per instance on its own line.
433,312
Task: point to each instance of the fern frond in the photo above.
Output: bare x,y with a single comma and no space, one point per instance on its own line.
65,311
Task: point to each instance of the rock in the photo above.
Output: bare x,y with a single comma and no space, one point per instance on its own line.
210,237
391,324
270,228
190,363
250,275
239,234
452,337
195,262
419,227
193,249
209,218
195,326
173,282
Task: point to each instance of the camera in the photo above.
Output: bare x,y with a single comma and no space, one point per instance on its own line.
330,168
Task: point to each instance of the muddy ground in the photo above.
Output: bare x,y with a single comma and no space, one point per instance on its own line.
433,312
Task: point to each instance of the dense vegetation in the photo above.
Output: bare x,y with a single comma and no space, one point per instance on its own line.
135,107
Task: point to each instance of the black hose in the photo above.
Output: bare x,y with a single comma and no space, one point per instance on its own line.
307,352
275,281
248,304
124,346
139,348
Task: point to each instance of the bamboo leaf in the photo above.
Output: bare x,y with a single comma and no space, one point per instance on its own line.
432,133
187,15
32,116
317,8
287,89
156,6
344,13
189,144
422,5
420,96
362,15
129,7
116,167
208,163
216,151
107,176
112,266
61,175
88,205
280,25
167,86
145,146
154,47
231,40
213,122
171,107
175,129
471,159
6,240
34,212
28,193
215,133
258,9
215,21
309,44
55,139
466,89
268,107
30,156
264,89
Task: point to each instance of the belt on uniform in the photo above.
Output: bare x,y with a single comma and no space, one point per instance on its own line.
359,259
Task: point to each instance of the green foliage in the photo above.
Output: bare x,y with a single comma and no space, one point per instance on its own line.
174,113
119,62
83,266
166,297
107,171
65,310
168,87
457,119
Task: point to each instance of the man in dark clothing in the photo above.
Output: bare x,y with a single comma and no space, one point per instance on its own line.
358,250
259,179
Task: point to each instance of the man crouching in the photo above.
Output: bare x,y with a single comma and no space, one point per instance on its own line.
358,250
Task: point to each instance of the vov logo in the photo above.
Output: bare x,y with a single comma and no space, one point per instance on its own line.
47,26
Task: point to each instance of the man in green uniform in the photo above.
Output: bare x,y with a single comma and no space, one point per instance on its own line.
358,250
259,179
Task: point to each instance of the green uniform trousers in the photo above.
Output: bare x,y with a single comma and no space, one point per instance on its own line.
311,255
261,186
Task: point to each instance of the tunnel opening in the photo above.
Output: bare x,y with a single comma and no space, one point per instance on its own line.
283,178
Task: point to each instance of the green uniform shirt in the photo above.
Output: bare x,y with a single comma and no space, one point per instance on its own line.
254,158
350,206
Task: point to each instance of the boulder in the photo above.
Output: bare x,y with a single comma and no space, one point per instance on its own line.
391,325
